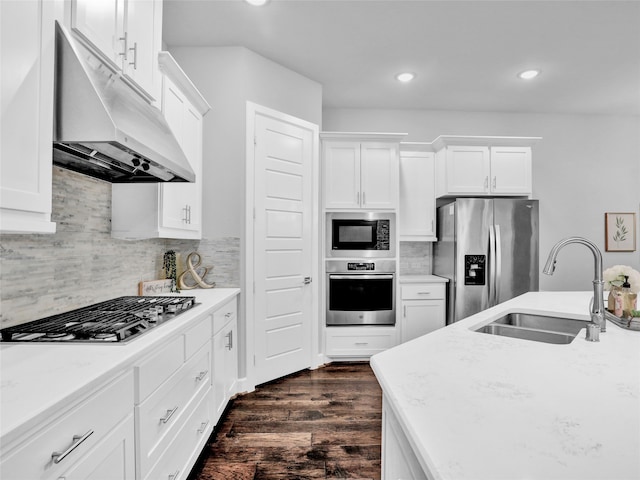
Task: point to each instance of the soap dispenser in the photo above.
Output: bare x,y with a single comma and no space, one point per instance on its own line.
629,299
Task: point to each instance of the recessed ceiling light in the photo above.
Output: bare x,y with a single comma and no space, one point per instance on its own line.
405,77
529,74
257,3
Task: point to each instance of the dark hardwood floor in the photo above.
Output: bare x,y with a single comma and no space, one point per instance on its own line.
315,424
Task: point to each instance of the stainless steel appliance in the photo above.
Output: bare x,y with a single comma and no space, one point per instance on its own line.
105,129
361,235
113,321
488,249
361,292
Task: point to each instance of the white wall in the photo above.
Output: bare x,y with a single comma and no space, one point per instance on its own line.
583,167
228,77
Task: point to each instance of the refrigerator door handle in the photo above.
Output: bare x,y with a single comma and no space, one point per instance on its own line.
492,266
498,262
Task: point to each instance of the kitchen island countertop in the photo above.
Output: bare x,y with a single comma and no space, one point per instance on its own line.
38,379
478,406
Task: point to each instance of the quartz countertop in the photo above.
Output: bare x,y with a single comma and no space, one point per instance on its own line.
38,379
422,279
478,406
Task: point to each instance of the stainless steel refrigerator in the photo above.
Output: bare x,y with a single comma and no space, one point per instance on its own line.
488,249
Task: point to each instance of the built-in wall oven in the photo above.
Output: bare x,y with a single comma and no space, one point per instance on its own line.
361,292
361,235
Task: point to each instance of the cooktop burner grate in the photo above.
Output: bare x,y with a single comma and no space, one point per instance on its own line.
115,320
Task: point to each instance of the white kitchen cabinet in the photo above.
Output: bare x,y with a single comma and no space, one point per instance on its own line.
359,341
127,33
91,438
360,171
417,193
172,382
225,356
398,460
167,210
423,309
26,83
479,166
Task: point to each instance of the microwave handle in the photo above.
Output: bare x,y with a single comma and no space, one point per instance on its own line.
340,276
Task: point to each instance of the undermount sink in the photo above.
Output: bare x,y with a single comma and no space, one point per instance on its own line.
538,328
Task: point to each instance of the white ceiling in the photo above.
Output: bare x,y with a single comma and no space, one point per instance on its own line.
466,54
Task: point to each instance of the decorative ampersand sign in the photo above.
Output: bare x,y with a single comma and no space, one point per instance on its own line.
195,274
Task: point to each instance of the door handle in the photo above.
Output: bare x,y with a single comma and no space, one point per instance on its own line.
307,280
498,264
492,266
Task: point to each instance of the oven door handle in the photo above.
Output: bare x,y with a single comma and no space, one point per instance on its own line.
361,277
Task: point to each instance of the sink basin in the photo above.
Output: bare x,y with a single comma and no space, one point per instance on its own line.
538,328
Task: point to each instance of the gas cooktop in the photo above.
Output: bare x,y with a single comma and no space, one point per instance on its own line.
113,321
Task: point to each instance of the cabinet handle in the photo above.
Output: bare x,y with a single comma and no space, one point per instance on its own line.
174,475
361,343
77,440
201,375
135,55
486,182
404,311
358,198
189,214
432,230
227,315
203,427
364,198
125,50
494,183
169,414
229,336
423,293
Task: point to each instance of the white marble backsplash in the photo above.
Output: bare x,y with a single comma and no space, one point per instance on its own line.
82,264
415,258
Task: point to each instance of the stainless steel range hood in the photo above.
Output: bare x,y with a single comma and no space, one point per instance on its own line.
103,128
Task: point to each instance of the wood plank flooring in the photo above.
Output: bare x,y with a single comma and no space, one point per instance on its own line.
314,424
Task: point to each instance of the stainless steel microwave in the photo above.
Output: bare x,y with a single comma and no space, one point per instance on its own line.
361,235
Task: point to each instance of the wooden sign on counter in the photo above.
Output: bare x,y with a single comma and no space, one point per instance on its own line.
155,287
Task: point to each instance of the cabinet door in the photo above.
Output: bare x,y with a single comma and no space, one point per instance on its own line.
467,170
398,460
341,174
417,196
26,95
101,23
114,457
511,170
421,317
181,202
379,175
219,374
143,43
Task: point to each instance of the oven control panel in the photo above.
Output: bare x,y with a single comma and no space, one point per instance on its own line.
367,266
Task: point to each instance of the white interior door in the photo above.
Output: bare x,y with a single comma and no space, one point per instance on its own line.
283,259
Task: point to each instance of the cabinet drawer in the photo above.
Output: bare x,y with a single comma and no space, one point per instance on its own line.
96,416
197,336
225,314
351,343
423,291
159,416
180,455
155,369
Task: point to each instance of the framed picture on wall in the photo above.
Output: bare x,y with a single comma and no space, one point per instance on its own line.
620,232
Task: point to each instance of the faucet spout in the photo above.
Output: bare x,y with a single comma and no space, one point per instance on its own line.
598,314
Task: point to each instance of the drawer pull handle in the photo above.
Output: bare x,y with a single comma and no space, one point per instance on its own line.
227,315
201,375
229,344
77,440
169,414
174,475
203,426
362,343
424,293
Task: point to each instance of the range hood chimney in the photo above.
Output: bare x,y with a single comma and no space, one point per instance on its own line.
104,128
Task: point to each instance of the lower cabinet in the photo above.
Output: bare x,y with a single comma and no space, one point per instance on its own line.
358,342
398,460
423,309
93,439
225,356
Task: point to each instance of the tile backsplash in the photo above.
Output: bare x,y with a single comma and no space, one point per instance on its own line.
415,258
82,264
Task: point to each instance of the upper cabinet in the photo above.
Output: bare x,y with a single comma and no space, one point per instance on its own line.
167,210
27,66
416,214
360,171
127,33
483,165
